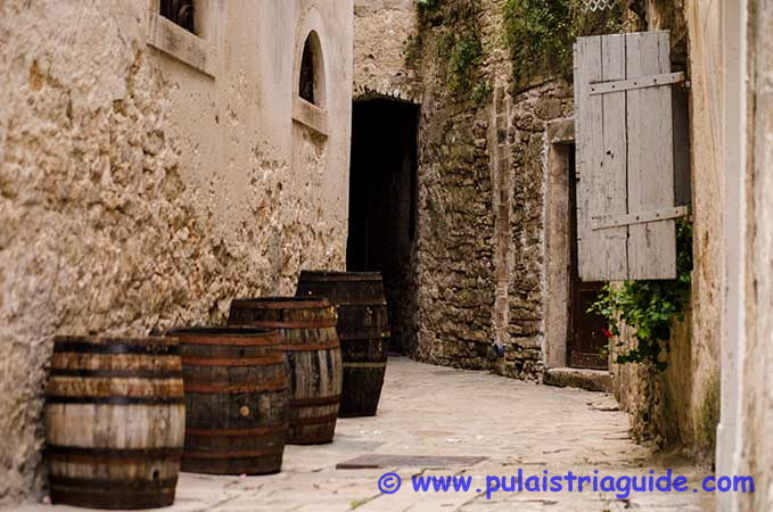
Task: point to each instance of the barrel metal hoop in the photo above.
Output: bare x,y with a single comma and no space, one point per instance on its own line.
104,485
295,324
243,341
364,336
115,400
247,387
115,348
118,374
308,277
323,400
355,364
307,347
111,455
244,432
233,455
294,303
327,418
274,358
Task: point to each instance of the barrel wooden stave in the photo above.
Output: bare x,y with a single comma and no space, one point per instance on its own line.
363,327
311,342
115,422
237,400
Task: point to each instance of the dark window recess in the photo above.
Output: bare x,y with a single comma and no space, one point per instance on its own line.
180,12
307,84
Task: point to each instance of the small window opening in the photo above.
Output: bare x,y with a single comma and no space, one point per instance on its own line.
180,12
308,80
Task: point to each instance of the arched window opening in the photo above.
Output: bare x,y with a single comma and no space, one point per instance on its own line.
180,12
308,78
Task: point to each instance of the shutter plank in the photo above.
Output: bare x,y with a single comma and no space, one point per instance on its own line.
612,193
651,246
590,245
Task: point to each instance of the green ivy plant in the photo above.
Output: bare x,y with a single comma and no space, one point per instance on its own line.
455,27
540,34
649,308
428,4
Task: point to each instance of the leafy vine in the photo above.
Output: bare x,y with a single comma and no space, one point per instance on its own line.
649,308
540,34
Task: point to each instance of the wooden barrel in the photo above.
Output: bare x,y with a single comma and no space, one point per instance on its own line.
236,397
115,422
308,327
363,327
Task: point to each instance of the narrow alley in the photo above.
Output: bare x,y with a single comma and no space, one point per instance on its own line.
386,255
442,412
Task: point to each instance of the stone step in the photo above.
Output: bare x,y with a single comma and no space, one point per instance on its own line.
592,380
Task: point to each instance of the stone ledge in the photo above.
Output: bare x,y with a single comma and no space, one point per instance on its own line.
592,380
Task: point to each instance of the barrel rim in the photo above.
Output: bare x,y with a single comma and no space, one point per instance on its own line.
280,302
338,275
147,341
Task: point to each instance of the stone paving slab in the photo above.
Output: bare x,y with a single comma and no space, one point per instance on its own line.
426,410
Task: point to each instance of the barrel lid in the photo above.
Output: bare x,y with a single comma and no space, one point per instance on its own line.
331,275
281,302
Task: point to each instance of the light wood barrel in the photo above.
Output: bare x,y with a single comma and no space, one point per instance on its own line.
115,422
237,400
363,327
308,327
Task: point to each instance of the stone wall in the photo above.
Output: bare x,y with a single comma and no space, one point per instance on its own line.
139,192
532,112
478,260
383,33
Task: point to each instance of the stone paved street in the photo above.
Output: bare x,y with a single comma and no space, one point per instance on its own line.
429,410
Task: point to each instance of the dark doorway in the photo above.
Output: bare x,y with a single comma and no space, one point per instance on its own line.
382,205
587,345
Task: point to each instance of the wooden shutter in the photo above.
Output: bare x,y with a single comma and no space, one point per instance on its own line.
625,159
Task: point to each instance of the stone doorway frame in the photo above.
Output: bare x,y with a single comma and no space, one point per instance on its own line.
559,141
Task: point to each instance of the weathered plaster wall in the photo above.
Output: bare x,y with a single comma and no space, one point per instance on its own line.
756,387
679,408
137,192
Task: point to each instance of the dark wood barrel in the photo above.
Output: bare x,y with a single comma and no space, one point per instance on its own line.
236,395
115,422
363,327
308,327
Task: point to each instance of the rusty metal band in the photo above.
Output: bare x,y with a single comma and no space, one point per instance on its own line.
116,400
111,455
365,336
325,437
323,323
236,341
116,348
233,455
104,485
355,364
250,387
295,303
116,374
327,418
306,347
274,358
311,276
244,432
323,400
